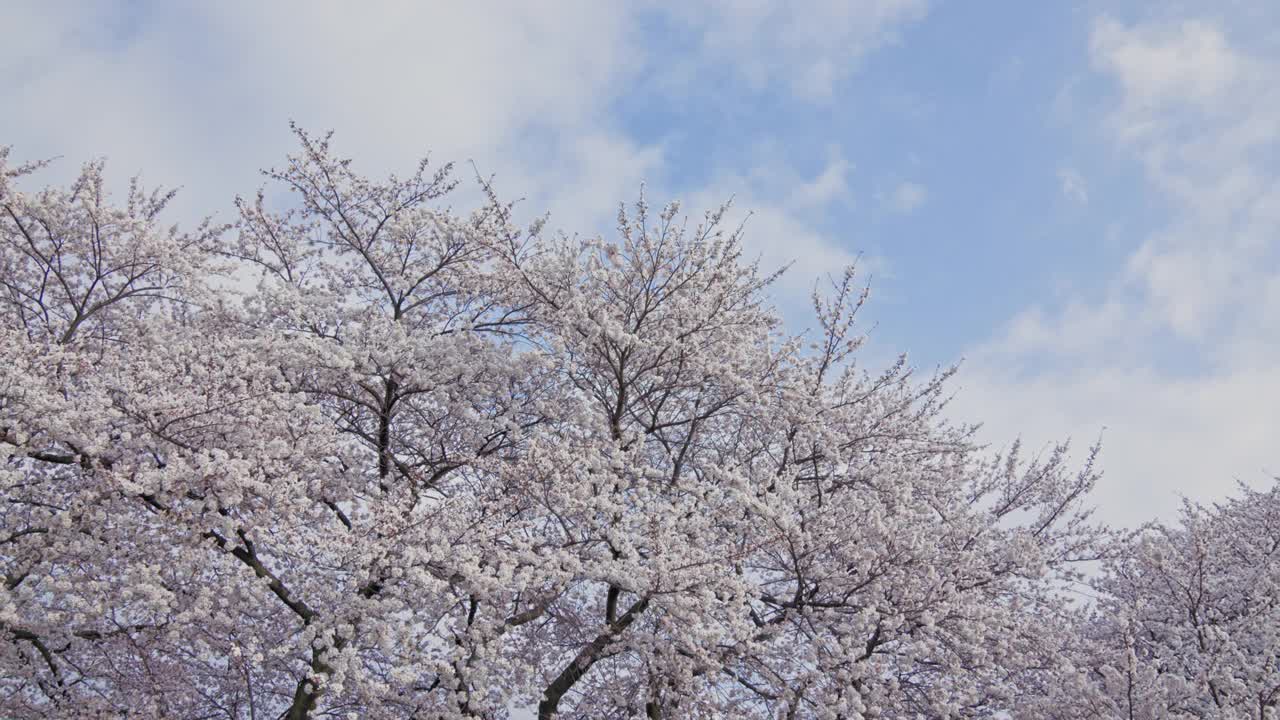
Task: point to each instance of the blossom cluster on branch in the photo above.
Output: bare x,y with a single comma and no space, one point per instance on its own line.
364,455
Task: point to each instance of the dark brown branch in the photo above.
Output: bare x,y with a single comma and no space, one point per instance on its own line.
249,557
585,659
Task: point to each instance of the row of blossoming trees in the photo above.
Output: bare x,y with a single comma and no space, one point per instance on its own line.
365,456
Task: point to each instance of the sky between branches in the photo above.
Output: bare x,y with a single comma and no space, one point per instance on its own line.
1079,199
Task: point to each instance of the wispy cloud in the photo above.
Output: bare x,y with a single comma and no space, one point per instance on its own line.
200,95
810,50
830,185
1176,354
906,197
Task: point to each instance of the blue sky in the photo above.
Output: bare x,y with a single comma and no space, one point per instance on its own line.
1078,199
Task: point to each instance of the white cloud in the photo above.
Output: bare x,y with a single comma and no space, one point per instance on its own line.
1079,329
1203,118
787,233
809,48
1178,354
905,198
1186,62
589,176
831,185
200,95
1163,438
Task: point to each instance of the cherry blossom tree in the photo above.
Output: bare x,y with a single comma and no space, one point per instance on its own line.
1187,624
363,455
